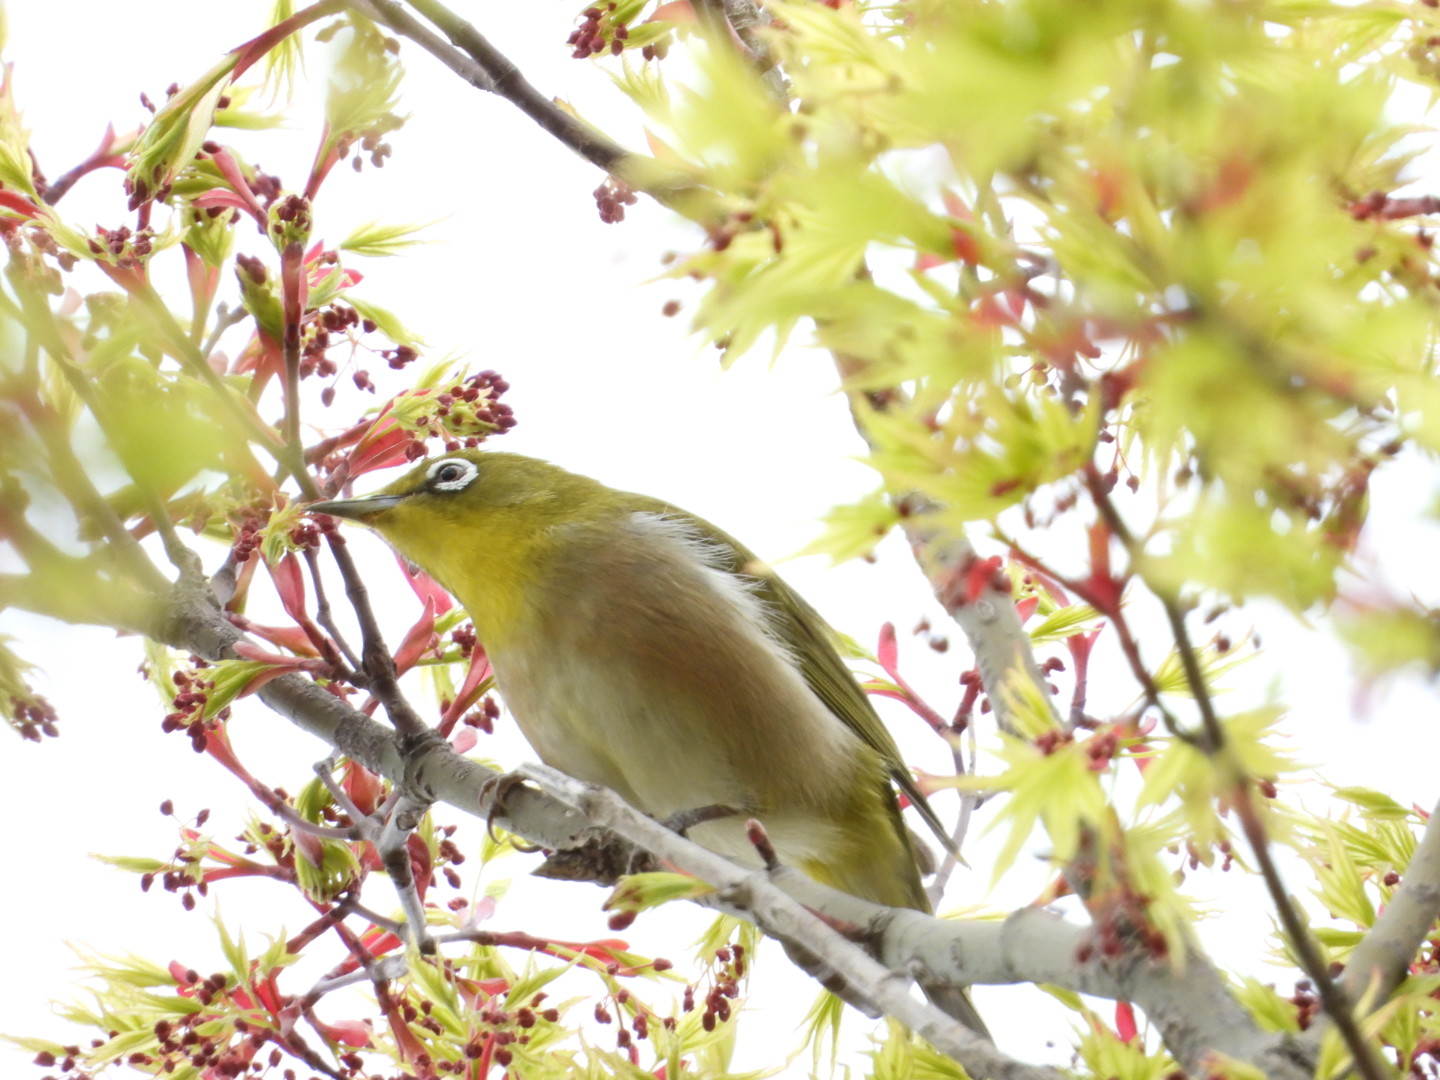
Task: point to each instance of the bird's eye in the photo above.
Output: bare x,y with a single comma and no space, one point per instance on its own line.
451,474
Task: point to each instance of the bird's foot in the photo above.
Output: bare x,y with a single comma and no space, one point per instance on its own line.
682,821
496,790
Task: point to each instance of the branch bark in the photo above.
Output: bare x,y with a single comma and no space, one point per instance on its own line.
754,895
1382,959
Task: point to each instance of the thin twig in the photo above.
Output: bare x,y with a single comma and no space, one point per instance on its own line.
325,614
490,70
497,75
377,663
291,262
1333,999
1129,646
224,320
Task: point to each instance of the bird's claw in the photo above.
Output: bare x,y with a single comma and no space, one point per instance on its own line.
496,790
682,821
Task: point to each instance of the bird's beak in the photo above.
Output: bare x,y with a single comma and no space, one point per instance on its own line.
358,508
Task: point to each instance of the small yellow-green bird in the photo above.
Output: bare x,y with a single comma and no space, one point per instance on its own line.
642,648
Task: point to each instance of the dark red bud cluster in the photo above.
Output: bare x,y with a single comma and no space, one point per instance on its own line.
180,1043
1101,748
125,248
335,319
1306,1002
139,192
267,188
726,987
468,411
251,267
484,717
191,696
611,197
398,357
292,210
450,853
33,717
597,33
464,636
247,539
717,1003
305,535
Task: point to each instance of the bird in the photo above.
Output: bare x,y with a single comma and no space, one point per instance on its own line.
639,647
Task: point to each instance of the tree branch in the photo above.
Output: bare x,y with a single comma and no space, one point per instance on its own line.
471,56
508,82
752,893
984,611
1383,957
1334,1000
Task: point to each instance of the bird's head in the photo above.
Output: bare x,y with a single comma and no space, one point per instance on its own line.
462,486
470,517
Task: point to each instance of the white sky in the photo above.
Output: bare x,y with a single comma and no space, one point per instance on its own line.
527,280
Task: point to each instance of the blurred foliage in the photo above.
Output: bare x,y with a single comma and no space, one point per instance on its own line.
1168,241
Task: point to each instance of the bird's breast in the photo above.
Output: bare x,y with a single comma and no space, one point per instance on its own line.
647,668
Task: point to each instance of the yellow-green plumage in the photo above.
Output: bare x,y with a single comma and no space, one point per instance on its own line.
635,651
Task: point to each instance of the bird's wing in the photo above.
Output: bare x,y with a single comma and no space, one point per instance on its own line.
812,639
813,643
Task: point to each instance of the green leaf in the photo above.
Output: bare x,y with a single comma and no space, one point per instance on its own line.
637,892
852,531
377,240
1376,804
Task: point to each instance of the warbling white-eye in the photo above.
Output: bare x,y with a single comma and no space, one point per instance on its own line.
642,648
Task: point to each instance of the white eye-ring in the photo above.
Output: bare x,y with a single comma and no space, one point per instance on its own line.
451,474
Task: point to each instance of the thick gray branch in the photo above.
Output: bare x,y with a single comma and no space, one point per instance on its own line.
991,624
1384,955
1189,1004
753,893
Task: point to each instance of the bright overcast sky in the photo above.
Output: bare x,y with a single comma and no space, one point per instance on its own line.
524,278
